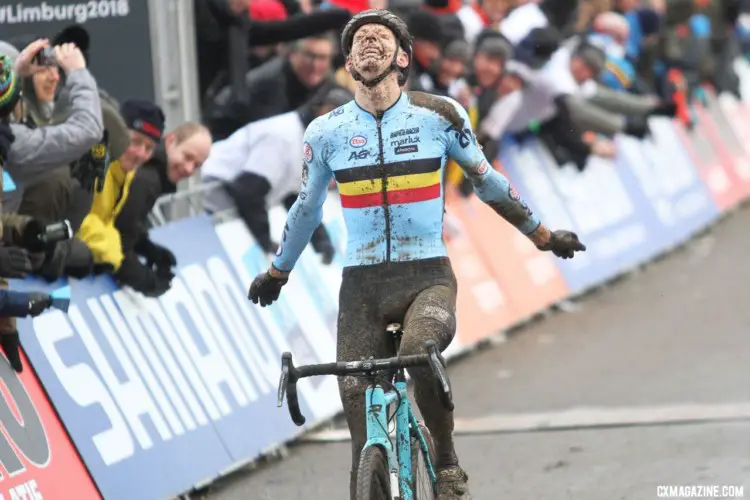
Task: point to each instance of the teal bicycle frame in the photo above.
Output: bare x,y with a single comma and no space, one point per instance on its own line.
377,402
399,461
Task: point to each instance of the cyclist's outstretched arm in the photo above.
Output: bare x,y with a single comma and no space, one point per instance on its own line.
491,186
307,212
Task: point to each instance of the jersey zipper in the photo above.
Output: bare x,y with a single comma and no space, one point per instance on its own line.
384,189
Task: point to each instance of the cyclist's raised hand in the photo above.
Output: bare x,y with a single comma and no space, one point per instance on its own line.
563,244
266,287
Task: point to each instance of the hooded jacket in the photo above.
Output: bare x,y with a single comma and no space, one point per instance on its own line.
98,229
41,147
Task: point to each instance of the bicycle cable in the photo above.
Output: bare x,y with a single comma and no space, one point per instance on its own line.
390,385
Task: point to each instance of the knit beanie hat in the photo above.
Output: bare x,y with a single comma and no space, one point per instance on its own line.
10,86
144,117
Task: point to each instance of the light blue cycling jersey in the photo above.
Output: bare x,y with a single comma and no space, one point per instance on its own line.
390,176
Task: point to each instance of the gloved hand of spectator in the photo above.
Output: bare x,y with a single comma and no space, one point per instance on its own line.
326,250
321,243
156,255
38,303
269,246
563,244
142,278
6,141
14,262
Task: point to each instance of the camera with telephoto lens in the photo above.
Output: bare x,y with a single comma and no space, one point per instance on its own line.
56,232
45,57
39,238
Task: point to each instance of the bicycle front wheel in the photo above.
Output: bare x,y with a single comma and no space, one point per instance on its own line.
422,485
373,478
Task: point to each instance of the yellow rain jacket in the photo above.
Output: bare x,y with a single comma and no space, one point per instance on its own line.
98,230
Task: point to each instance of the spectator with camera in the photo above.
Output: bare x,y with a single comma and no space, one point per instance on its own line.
179,155
93,164
14,261
42,150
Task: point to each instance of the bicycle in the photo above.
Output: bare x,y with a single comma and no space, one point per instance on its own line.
384,474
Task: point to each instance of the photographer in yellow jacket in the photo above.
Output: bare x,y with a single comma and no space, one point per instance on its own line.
145,122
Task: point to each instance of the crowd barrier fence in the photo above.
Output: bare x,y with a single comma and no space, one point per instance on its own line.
145,398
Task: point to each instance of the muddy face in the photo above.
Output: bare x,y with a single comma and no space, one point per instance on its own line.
373,49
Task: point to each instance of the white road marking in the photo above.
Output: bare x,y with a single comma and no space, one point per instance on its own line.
578,418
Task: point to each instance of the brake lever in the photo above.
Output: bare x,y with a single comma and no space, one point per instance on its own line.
286,359
437,364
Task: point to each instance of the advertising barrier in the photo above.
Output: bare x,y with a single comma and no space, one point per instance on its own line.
158,395
38,461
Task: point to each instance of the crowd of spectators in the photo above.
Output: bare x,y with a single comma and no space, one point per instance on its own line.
82,172
571,73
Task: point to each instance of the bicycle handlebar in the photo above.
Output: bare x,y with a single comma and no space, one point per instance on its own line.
291,374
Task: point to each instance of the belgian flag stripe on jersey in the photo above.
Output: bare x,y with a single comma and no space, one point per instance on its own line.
408,182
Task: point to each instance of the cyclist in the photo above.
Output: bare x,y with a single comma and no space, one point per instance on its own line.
387,150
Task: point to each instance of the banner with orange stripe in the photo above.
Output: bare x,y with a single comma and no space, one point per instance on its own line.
406,182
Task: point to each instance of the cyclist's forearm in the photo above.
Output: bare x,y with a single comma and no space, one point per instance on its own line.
495,190
301,222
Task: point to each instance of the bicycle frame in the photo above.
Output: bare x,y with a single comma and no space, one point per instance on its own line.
399,461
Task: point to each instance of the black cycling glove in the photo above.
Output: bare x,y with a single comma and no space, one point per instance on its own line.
14,262
38,303
266,289
563,244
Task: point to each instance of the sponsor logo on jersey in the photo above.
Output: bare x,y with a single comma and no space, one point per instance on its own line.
307,152
405,131
359,155
483,167
357,141
402,150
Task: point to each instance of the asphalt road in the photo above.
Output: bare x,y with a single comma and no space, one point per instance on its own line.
676,333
